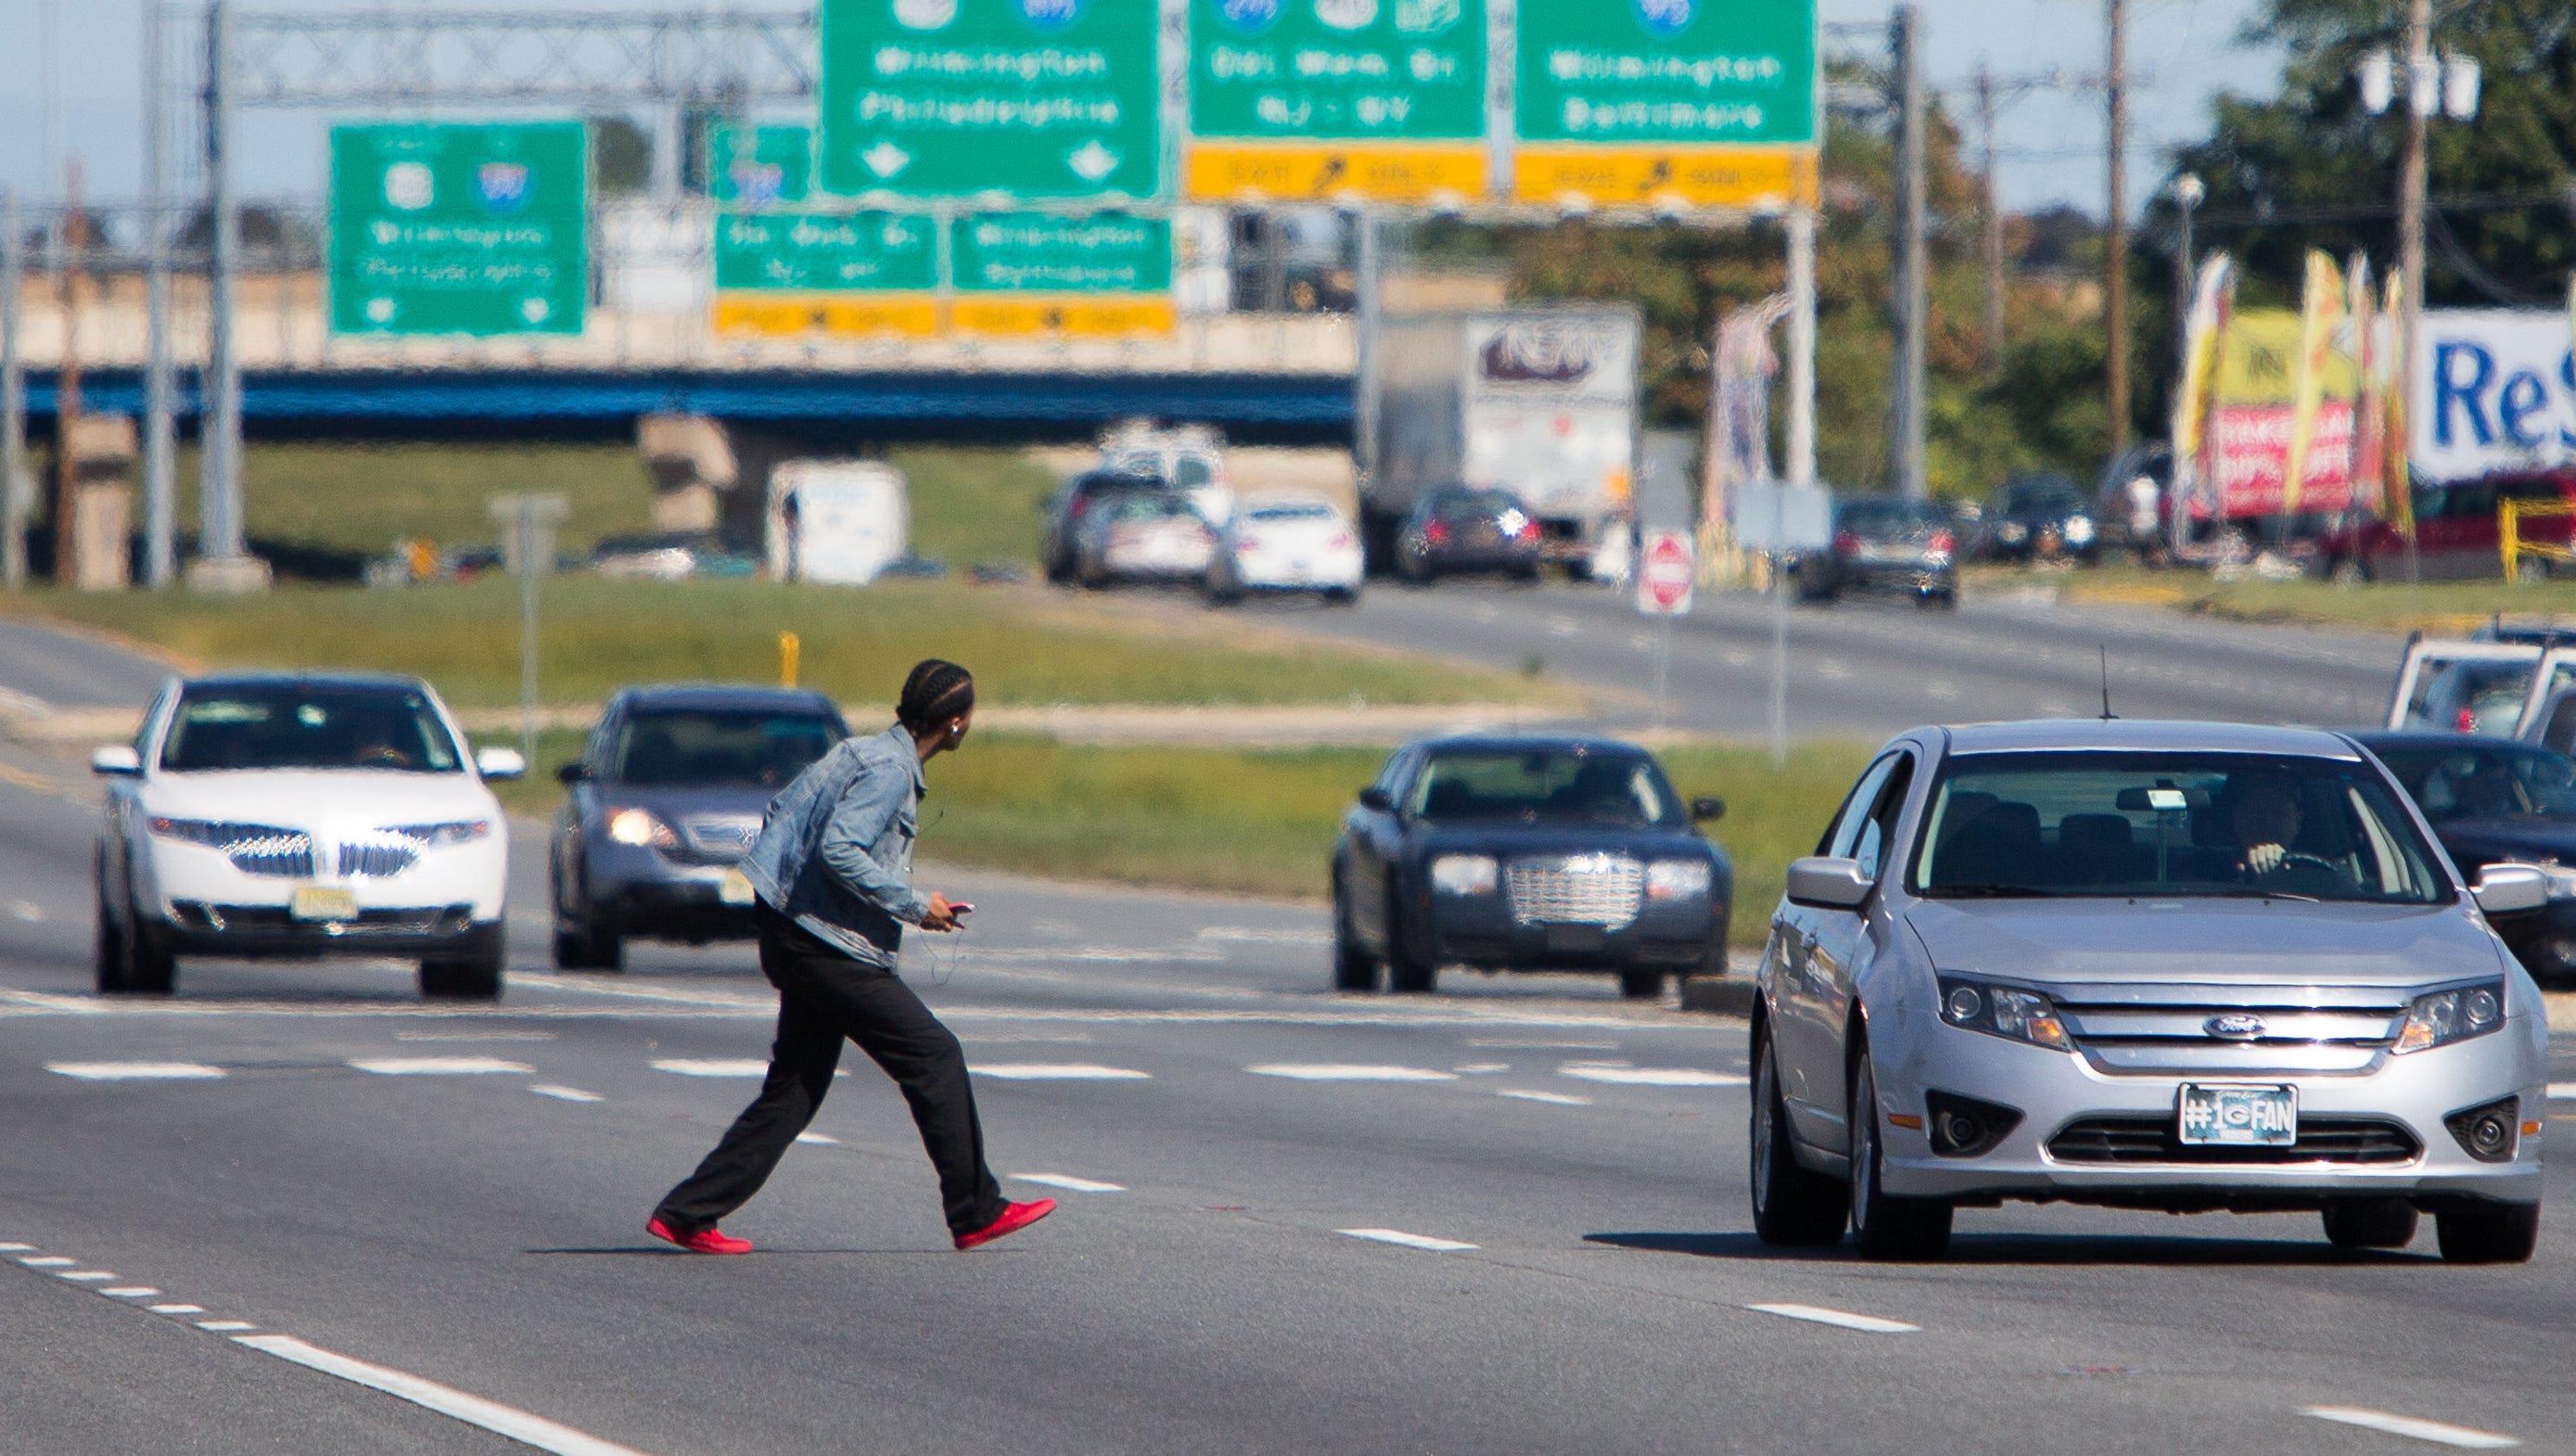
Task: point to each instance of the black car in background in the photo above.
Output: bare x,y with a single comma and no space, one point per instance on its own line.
667,795
1464,528
2495,801
1884,544
1075,501
2039,515
1527,854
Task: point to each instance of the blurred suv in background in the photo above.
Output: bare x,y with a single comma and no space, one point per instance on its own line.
665,799
1455,528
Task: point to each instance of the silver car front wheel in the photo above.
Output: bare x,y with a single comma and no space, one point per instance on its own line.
1885,1226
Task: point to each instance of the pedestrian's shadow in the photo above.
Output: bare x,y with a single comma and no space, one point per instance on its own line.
2134,1250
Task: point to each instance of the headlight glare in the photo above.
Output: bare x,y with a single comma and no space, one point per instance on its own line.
2024,1016
2079,529
2457,1014
1677,879
1465,874
641,826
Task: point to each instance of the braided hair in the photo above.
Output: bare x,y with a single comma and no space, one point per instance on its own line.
935,692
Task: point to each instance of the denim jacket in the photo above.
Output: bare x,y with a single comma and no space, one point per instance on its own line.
835,850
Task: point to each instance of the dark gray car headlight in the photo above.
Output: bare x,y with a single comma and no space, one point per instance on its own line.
2457,1014
2005,1011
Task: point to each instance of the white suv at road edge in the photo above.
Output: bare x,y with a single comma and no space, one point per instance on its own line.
302,815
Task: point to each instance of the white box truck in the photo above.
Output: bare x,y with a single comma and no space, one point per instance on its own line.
1540,401
839,522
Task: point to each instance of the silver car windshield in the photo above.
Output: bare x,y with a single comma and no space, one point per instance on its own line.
2166,825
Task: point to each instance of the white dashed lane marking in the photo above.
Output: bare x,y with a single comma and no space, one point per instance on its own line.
1402,1239
131,1291
178,1309
1838,1318
1349,1072
2562,1091
49,1261
15,1248
85,1276
1652,1076
819,1139
440,1066
711,1067
1554,1099
2414,1428
1069,1183
565,1094
1058,1072
135,1071
473,1410
225,1326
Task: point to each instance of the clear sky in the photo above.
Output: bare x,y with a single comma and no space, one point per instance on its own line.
2181,51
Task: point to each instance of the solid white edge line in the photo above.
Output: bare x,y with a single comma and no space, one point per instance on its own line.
2413,1427
565,1094
1068,1182
1402,1239
474,1410
1841,1319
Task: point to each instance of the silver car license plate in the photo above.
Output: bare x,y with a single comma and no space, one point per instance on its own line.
2249,1117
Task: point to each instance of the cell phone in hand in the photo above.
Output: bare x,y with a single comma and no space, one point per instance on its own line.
960,909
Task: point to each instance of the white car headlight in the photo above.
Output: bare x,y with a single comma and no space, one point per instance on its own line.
1465,874
641,826
440,836
1677,879
2079,529
2448,1016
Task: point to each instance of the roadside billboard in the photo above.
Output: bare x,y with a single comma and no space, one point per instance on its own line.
2253,415
2494,389
1665,103
1337,99
459,229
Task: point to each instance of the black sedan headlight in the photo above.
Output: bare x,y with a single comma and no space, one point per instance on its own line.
2443,1017
2006,1011
1466,874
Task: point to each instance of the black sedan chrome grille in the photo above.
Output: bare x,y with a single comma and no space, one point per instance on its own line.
2158,1140
1583,889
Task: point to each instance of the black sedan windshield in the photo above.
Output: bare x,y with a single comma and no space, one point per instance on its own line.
2163,825
2485,781
1547,786
715,747
307,725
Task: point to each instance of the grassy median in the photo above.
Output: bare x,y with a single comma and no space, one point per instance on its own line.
2447,608
1262,822
1026,646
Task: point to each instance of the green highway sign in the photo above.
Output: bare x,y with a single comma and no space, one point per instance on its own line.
1667,72
459,229
760,166
1033,273
823,252
952,98
1337,70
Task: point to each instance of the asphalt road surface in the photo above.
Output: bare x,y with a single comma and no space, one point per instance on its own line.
1509,1218
1875,667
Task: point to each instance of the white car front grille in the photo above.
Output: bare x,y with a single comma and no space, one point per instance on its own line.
1583,889
377,859
283,853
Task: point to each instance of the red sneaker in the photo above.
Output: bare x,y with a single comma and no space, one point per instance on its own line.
1015,1217
704,1241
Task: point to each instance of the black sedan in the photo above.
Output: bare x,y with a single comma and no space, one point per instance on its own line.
1884,543
2036,516
1527,854
1464,528
2494,801
665,798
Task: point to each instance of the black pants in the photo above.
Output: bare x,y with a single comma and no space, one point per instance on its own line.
823,996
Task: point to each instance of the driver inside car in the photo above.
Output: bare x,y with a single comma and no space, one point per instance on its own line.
2267,820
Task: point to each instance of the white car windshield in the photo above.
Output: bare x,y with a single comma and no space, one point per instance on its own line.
307,726
2167,825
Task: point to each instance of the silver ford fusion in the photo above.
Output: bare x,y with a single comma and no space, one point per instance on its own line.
2175,966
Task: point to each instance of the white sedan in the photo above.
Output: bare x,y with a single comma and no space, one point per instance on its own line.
303,815
1287,543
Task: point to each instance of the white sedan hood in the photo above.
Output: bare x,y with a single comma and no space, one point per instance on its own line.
2236,942
339,799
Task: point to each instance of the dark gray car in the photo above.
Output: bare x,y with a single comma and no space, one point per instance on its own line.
665,798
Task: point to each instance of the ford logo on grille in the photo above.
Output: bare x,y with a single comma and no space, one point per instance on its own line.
2235,1026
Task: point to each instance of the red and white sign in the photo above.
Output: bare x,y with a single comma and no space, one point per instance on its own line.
1665,573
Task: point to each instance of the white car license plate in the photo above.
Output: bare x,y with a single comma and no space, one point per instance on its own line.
735,888
322,902
2249,1117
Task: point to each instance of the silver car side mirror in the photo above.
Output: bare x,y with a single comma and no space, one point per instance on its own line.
116,760
2509,889
1823,883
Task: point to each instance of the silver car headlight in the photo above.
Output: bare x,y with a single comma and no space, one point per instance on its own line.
1677,879
2004,1011
641,826
2448,1016
441,836
1465,874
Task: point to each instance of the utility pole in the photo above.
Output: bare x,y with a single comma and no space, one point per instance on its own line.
2420,90
1911,269
2116,254
219,530
160,435
14,483
72,239
1991,244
